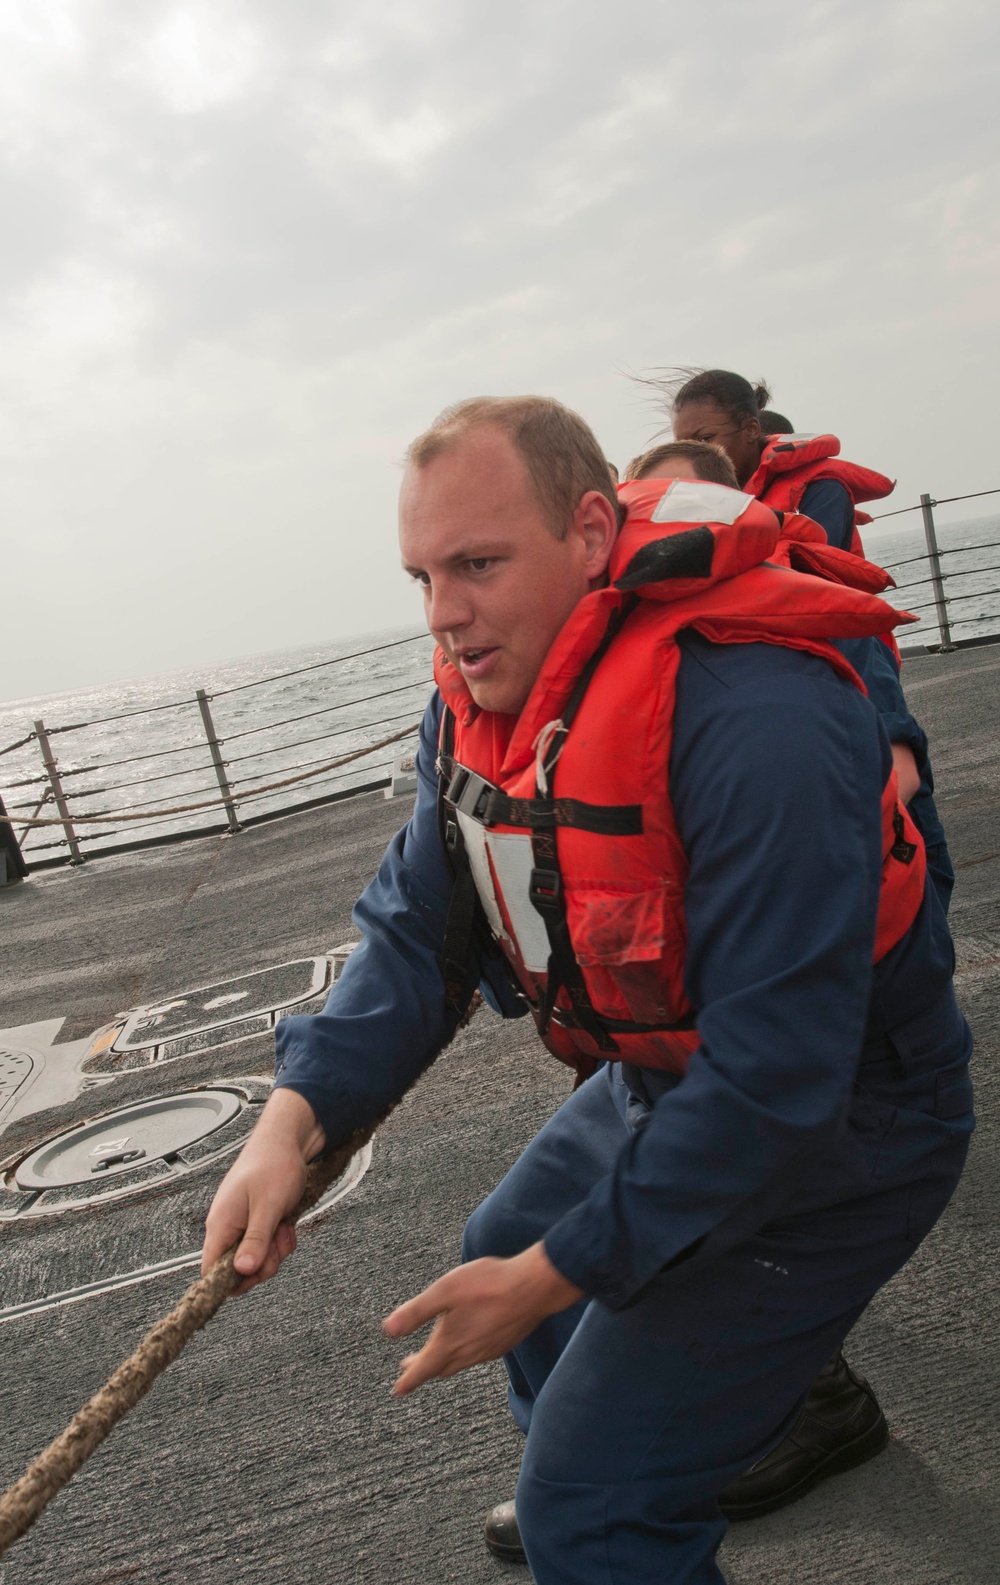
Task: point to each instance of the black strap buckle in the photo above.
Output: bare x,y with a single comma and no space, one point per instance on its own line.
902,850
470,794
545,892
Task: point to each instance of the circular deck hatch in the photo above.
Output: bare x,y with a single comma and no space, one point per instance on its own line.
127,1139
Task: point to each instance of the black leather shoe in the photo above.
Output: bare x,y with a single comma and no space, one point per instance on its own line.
502,1535
841,1425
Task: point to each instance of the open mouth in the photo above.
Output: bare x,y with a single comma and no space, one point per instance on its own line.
473,662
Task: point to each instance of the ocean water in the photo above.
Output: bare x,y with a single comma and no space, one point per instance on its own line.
970,561
272,727
278,727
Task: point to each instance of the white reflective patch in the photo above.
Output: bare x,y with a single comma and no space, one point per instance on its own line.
474,836
513,861
697,501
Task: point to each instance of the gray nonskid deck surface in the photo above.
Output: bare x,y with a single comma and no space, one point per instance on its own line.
272,1451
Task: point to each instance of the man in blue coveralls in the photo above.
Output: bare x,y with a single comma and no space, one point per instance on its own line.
672,1260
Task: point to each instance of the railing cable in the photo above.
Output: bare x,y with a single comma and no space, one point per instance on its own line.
28,781
269,726
321,737
948,550
125,715
220,693
19,744
134,759
974,594
253,792
939,500
193,831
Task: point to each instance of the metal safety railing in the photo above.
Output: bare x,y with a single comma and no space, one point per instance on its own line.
243,767
227,759
944,600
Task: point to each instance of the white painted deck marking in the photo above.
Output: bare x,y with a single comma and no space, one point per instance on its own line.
355,1171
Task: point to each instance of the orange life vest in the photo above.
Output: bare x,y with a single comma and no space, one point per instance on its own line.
562,817
790,463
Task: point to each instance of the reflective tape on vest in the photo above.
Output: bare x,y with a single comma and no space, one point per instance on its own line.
509,857
699,501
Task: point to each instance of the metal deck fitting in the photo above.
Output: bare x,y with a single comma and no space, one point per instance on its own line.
148,1143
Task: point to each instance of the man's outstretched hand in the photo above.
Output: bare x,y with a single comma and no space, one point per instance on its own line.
483,1309
263,1185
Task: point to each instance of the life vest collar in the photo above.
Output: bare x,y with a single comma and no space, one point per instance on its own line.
789,463
684,535
670,552
784,452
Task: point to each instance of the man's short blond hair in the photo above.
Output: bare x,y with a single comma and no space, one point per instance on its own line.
709,462
559,450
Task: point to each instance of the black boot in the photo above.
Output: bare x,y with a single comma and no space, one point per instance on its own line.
840,1425
502,1535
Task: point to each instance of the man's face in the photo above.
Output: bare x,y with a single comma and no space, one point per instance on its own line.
497,584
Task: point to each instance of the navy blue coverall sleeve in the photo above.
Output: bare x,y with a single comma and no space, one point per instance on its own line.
876,666
829,504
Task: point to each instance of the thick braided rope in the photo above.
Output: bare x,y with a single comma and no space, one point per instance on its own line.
22,1503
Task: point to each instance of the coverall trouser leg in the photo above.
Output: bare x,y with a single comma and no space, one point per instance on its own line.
637,1419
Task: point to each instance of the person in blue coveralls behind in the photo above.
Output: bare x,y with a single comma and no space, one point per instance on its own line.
722,408
685,1243
841,1423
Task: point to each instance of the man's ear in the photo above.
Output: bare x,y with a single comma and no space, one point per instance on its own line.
596,521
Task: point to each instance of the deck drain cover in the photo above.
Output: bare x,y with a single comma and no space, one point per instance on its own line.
130,1138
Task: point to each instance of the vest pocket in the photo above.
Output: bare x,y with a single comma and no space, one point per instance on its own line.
610,927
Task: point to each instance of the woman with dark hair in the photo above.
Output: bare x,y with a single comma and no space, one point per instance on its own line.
789,472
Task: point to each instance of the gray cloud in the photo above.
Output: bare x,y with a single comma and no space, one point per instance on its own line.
251,249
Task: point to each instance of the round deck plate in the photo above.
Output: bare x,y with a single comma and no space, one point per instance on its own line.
127,1139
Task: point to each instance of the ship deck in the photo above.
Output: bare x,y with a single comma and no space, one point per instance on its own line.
272,1452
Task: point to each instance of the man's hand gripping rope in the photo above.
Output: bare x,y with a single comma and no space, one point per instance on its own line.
229,1268
481,1310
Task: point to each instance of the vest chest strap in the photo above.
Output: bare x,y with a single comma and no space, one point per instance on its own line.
472,795
468,797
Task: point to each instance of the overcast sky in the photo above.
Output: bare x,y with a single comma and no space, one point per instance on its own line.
250,249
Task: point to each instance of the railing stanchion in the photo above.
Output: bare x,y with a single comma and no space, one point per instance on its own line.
220,769
937,582
52,772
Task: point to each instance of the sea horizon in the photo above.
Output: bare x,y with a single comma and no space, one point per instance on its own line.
135,747
886,545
